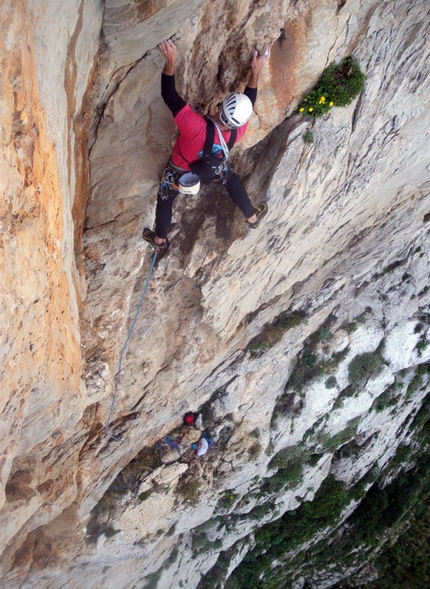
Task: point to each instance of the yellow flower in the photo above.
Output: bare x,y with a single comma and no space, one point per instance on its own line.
302,109
311,109
329,111
322,99
330,103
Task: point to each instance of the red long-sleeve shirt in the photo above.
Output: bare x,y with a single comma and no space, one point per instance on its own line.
192,126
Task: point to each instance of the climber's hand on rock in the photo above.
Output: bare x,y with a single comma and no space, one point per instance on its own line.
168,50
259,60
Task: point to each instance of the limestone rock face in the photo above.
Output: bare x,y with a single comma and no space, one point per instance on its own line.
85,137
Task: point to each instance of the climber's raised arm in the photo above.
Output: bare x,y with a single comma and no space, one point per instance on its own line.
257,63
169,51
168,89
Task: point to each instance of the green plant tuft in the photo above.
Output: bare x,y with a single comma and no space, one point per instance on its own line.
324,334
273,332
189,488
338,86
363,367
331,382
227,500
308,137
421,345
255,450
309,359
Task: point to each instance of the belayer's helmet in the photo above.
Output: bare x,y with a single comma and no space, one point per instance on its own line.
235,110
189,418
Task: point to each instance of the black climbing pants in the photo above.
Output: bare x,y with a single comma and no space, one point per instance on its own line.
168,191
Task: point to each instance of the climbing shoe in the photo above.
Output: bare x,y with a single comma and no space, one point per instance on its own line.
160,248
260,211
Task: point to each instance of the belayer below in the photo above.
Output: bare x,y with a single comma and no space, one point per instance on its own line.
202,148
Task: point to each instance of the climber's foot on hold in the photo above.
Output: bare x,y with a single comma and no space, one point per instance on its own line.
160,248
260,212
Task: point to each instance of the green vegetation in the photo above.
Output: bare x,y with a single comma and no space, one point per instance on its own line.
273,332
200,540
228,499
260,511
421,345
350,327
308,137
210,524
406,563
172,558
309,359
418,380
330,443
385,400
384,507
363,367
310,366
215,578
382,513
362,318
152,580
131,476
255,450
285,477
259,346
290,463
287,320
273,540
331,382
188,488
288,456
269,449
324,334
338,86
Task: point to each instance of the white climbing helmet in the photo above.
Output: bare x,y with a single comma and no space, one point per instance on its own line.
235,110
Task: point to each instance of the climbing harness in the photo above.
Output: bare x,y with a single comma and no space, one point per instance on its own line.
169,181
211,166
223,144
121,354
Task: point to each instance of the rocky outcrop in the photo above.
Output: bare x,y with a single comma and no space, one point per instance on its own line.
85,138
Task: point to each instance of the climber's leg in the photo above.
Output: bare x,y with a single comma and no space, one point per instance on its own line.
241,199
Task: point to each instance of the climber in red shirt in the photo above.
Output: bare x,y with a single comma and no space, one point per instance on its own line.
230,123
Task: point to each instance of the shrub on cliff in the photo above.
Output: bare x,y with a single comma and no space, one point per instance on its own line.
338,86
363,367
273,332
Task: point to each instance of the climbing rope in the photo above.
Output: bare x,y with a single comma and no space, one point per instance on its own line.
170,441
121,354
